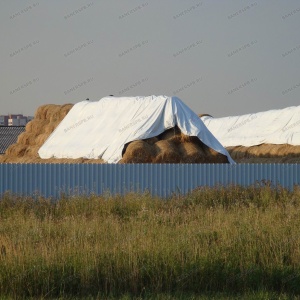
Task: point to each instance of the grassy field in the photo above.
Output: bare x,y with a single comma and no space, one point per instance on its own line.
233,243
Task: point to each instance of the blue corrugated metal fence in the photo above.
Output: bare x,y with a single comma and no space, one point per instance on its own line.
51,180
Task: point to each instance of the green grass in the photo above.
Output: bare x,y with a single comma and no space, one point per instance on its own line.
220,243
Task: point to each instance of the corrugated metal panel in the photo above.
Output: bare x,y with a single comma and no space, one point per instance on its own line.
9,136
52,180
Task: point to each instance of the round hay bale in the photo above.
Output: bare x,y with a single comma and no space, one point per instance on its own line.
94,161
40,139
169,133
290,150
138,152
240,152
151,141
28,125
53,113
32,151
10,159
64,110
269,150
187,138
213,156
257,150
51,127
36,126
41,112
237,152
9,150
16,150
192,153
26,138
265,153
167,152
63,160
179,137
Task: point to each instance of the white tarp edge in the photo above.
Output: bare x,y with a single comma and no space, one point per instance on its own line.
280,126
101,129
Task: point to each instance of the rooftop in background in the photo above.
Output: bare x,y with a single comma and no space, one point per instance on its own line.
9,135
14,120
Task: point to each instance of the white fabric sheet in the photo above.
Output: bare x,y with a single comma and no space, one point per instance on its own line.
280,126
101,129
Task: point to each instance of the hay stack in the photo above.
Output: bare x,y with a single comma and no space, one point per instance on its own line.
264,153
169,133
138,152
169,147
269,153
192,153
166,152
151,141
36,126
46,119
26,138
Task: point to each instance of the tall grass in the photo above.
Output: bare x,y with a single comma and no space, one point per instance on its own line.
222,240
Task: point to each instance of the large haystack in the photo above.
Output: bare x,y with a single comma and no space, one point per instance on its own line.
169,147
46,119
265,153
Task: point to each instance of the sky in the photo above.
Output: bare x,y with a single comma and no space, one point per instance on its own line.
224,58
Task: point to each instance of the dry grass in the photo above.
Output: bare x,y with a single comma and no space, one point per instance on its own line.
230,241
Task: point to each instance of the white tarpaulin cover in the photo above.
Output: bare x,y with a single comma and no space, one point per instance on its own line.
280,126
101,129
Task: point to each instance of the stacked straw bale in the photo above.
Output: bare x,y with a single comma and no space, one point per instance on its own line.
264,153
169,147
282,153
46,119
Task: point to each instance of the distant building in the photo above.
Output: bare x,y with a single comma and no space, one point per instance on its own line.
3,120
14,120
17,120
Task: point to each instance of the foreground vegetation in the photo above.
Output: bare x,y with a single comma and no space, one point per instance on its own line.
224,242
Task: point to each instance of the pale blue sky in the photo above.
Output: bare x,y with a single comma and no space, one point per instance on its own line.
220,57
